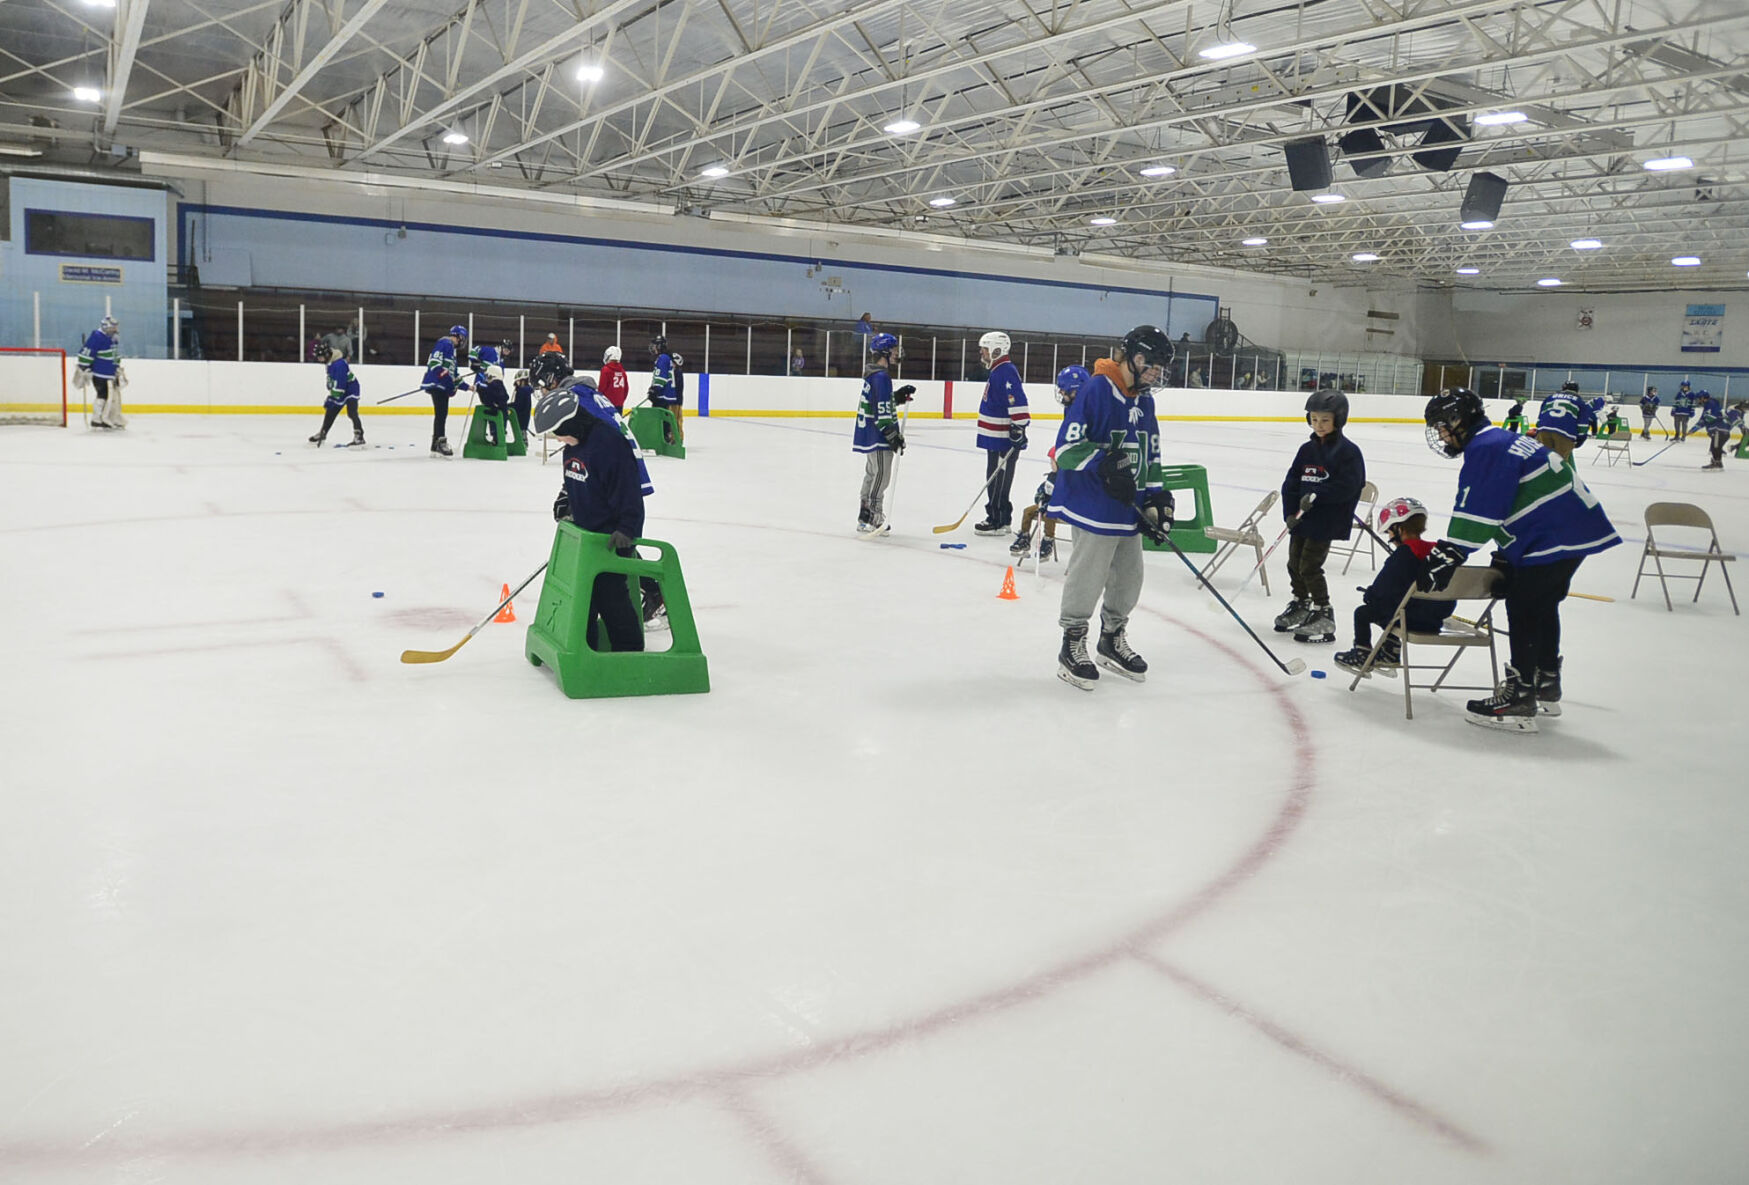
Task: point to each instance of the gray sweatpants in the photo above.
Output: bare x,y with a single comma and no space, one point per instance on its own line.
875,476
1108,564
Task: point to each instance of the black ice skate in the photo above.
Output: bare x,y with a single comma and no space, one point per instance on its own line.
357,436
440,446
1512,707
1073,665
1047,549
990,527
1389,659
1021,546
318,438
1290,618
1318,626
1548,691
1115,655
656,619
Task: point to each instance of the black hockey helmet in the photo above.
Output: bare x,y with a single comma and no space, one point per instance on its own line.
1151,342
324,353
1460,412
549,369
560,413
658,343
1331,400
1569,387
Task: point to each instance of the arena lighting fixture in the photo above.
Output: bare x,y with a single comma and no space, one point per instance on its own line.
1549,282
1102,220
1256,241
1226,50
714,171
1497,118
1585,244
1364,257
902,127
1328,199
590,72
1158,171
99,3
454,137
1666,164
1476,224
1469,271
87,94
942,203
1685,261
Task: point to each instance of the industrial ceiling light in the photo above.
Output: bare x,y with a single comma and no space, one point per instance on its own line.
1102,220
1666,164
1476,224
1364,257
942,202
87,94
1158,171
590,72
1498,118
1256,241
714,171
1469,271
1328,199
454,137
1226,51
1549,282
1685,261
902,127
1586,244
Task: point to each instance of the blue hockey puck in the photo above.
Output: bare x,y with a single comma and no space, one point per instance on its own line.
945,546
376,594
1315,674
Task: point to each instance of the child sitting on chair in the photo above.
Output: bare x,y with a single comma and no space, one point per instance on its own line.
1404,521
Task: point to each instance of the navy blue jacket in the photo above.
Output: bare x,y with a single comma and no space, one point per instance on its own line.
601,482
1389,586
1333,469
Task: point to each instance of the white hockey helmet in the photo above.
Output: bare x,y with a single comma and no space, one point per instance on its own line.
494,372
1398,511
108,325
611,354
996,342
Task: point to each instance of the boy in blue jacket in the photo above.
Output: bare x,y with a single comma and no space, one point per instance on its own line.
342,393
1404,521
1318,498
600,494
1648,412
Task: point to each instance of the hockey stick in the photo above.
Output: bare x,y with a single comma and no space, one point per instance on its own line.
1260,562
402,395
885,528
1292,667
1592,597
421,656
1656,455
994,474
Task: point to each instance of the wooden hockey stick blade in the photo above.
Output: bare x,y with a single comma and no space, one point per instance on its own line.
955,524
1592,597
432,655
426,656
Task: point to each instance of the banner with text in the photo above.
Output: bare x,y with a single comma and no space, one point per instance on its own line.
1703,329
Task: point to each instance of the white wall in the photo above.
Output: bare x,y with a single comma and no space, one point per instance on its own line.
1629,329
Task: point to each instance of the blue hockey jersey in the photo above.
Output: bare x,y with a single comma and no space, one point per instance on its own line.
1649,402
1525,500
342,384
873,411
1003,404
601,484
100,355
1712,417
1683,404
440,368
602,408
665,382
1103,418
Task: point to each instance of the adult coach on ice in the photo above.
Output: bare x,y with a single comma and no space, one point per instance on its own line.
1533,507
1002,420
1108,452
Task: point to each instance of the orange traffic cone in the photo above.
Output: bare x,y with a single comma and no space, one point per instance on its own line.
1008,593
508,613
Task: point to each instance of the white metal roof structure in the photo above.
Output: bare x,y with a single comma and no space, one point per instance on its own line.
1081,126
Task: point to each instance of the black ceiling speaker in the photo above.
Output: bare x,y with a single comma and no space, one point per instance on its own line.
1483,198
1364,140
1442,132
1308,163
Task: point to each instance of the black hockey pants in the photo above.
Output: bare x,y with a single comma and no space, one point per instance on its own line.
611,609
998,509
1533,614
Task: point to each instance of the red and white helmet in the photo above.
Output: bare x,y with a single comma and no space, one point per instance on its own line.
1398,511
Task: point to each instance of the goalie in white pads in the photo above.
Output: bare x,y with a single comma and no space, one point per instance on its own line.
99,366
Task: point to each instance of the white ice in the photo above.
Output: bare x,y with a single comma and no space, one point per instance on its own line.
890,904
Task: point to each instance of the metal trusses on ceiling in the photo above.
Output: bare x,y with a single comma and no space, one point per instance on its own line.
1035,117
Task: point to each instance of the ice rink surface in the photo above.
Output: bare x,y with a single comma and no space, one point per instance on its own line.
890,904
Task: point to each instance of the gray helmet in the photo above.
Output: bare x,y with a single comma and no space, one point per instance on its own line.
556,412
1331,400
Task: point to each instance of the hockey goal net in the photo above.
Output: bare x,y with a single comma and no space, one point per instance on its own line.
33,386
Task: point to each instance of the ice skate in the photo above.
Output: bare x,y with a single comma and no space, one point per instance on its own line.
1073,665
357,436
318,438
1291,618
878,525
1548,691
1319,625
990,527
1115,655
656,619
1047,550
1512,707
440,447
864,521
1390,657
1021,546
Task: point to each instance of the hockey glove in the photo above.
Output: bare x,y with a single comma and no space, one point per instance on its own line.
1440,566
1161,503
1115,475
894,438
620,541
1017,436
1042,497
1306,501
903,394
562,508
